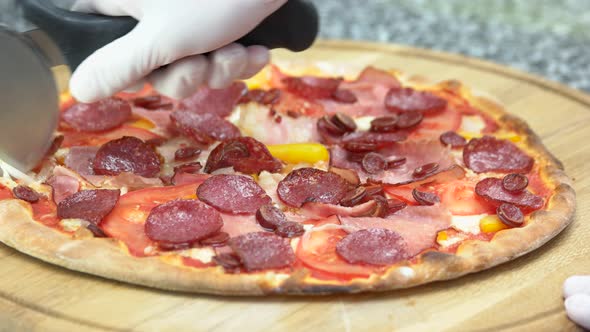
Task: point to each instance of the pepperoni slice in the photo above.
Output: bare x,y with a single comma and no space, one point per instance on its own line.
515,183
214,101
384,124
312,185
493,191
379,139
489,154
376,246
188,153
374,163
290,229
425,198
235,194
244,154
344,122
311,87
453,139
203,128
409,119
89,205
354,197
270,217
510,215
260,250
152,103
216,240
79,159
26,193
127,154
410,100
182,221
100,116
344,96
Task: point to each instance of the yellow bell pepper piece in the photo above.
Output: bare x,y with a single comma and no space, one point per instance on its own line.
143,124
300,152
490,224
508,136
442,236
258,81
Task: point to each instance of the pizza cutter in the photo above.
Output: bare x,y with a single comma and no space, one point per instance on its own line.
28,63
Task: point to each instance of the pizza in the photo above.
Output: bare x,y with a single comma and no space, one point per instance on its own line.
300,180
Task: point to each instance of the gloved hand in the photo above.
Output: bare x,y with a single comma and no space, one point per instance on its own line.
173,33
576,291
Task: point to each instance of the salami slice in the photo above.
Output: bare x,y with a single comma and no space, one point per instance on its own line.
100,116
214,101
182,221
260,250
233,194
311,87
89,205
244,154
127,154
489,154
203,128
312,185
376,246
493,190
26,193
408,100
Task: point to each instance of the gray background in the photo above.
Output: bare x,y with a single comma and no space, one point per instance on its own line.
547,37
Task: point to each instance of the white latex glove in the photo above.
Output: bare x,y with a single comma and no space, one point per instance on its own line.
576,291
174,33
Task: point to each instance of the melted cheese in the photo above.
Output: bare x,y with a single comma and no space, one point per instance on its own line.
204,255
467,224
363,123
472,124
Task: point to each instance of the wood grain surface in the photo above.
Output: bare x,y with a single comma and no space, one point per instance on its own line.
522,295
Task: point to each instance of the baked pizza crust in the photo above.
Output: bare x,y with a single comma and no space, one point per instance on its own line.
107,258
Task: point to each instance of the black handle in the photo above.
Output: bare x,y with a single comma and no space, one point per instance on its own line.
294,26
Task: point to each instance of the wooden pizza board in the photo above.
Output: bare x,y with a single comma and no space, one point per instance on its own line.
522,295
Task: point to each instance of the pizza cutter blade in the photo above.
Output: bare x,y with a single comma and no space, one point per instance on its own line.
28,89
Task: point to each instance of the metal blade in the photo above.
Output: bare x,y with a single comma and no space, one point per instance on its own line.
29,101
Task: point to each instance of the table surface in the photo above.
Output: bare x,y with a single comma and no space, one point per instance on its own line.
522,295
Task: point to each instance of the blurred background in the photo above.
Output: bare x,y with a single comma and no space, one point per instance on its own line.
546,37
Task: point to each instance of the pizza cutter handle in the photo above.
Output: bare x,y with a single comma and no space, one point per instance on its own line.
294,27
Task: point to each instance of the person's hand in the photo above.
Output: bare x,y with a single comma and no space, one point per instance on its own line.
576,291
173,33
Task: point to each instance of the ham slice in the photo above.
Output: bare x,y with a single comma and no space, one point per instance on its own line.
214,101
64,183
159,118
236,225
79,159
314,210
417,153
418,225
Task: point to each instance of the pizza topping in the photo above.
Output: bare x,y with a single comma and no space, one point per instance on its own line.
26,193
489,154
311,185
55,145
270,217
379,139
244,154
127,154
354,197
97,232
376,246
515,183
425,170
100,116
394,205
203,128
228,261
310,87
359,148
326,125
289,229
410,100
417,225
510,215
349,175
219,102
188,153
182,221
260,250
188,173
154,102
218,239
409,119
374,163
344,122
62,186
89,205
79,159
384,124
235,194
312,210
453,139
425,198
493,191
344,96
395,163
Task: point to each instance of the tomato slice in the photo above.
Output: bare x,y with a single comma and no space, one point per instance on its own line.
126,221
317,250
403,193
460,198
77,138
